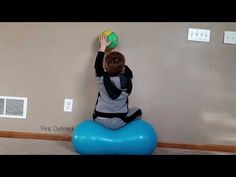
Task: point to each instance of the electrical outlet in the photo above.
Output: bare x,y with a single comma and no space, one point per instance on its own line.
68,104
200,35
230,37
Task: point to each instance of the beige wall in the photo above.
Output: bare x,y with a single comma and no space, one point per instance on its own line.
187,90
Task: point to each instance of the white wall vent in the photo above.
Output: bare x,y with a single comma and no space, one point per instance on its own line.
13,107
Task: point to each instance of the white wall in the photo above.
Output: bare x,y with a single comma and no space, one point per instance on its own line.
186,89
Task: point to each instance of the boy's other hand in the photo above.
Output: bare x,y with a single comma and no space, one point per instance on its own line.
115,49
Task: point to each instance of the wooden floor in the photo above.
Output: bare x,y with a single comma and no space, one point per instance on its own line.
15,146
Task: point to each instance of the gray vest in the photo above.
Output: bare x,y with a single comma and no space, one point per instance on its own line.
107,105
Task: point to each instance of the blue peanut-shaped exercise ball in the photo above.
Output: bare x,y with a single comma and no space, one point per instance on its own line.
136,138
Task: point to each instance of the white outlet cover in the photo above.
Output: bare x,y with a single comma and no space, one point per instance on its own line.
68,105
230,37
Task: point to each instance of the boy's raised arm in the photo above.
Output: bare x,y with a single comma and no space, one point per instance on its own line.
99,59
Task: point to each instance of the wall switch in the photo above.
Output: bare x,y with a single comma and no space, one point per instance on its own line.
68,104
230,37
200,35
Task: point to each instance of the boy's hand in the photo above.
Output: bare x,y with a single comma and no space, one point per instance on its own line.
103,43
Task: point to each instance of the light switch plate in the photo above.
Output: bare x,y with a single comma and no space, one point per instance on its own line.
230,37
200,35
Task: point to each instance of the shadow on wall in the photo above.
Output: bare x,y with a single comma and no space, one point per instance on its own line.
89,94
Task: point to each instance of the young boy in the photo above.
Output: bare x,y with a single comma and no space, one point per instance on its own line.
114,84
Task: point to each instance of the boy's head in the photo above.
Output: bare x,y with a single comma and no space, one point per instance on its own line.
114,63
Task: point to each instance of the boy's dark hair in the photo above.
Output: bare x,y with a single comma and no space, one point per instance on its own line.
114,63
